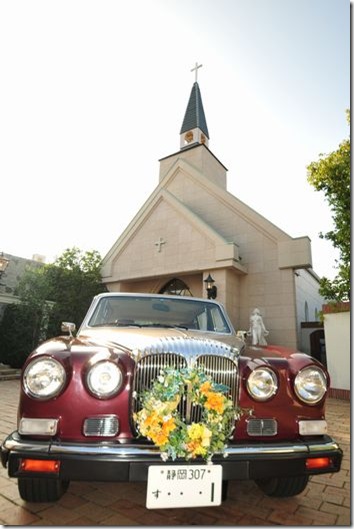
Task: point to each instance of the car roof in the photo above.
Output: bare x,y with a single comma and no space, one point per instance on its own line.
157,296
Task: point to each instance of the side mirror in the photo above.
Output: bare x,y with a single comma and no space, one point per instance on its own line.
66,326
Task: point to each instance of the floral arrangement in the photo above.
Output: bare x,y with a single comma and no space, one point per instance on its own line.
160,421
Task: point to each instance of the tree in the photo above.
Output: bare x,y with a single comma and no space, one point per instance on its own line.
56,292
18,338
331,174
74,279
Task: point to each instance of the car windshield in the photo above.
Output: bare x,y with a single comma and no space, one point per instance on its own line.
145,311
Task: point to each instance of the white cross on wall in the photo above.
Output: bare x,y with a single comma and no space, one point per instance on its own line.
159,243
196,70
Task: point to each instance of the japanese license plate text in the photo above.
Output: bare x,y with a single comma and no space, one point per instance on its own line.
183,486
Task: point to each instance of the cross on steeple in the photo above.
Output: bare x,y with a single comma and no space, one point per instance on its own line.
196,70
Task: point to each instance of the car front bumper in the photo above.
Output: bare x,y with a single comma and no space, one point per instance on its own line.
112,461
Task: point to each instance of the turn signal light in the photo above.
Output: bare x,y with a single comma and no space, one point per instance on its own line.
40,465
318,462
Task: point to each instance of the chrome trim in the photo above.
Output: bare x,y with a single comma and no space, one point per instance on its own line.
16,444
189,347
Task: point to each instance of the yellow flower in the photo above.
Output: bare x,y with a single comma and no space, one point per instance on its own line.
196,449
169,425
205,387
200,433
215,401
195,430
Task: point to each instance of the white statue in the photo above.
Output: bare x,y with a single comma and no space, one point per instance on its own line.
257,329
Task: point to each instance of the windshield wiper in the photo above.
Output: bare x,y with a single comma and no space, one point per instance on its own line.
117,324
165,326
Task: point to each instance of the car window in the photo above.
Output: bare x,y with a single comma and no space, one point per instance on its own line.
164,312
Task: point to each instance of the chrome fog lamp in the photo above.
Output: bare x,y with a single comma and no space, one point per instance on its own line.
44,378
262,384
313,427
104,379
101,426
311,384
36,426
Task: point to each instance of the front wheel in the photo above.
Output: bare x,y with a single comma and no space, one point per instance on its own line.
41,490
283,487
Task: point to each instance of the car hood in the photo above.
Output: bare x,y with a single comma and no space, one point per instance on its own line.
134,338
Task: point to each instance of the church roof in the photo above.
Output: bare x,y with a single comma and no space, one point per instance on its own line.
194,116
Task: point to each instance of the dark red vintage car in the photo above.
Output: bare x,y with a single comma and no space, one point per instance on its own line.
81,398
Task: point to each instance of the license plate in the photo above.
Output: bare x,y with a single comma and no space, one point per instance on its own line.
183,486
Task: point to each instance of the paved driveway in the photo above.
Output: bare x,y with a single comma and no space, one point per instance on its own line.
326,501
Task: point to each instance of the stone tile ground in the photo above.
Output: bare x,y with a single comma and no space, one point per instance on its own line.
326,501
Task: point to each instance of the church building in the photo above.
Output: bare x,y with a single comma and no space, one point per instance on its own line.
192,237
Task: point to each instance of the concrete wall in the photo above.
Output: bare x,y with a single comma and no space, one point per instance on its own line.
337,334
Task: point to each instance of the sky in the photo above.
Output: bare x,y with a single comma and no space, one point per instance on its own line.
93,94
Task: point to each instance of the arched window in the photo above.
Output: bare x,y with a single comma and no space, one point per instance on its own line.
176,287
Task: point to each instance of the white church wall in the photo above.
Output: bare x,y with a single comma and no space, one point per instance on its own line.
337,334
265,286
200,158
232,297
184,248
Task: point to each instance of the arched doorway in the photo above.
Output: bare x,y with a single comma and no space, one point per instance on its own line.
176,287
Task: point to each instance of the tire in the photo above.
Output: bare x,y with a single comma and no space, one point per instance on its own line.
283,487
41,490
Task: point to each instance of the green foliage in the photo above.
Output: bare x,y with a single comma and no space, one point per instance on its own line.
56,292
74,280
18,334
331,175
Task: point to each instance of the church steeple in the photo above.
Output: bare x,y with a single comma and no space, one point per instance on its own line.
194,127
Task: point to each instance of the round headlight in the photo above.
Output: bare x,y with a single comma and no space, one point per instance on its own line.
44,378
262,384
104,379
311,384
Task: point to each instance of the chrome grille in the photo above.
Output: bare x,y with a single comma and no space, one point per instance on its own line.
149,367
222,369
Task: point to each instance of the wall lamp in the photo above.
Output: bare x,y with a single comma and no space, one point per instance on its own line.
210,287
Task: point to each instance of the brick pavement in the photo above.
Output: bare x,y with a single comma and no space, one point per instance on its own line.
326,501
